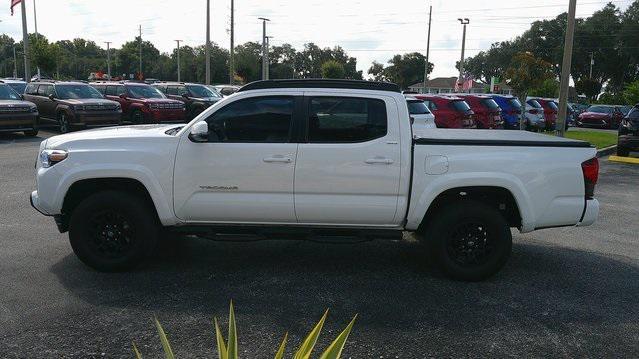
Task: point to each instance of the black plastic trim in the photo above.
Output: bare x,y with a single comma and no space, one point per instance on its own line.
321,83
515,143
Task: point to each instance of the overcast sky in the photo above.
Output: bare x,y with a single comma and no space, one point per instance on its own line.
368,29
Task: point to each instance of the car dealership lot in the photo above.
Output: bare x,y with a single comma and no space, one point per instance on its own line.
564,292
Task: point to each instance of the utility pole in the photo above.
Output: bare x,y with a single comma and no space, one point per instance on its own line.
564,85
592,62
108,43
140,71
231,58
25,41
15,63
178,58
264,54
207,50
268,60
460,82
430,15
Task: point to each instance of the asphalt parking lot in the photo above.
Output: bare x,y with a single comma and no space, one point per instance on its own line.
568,292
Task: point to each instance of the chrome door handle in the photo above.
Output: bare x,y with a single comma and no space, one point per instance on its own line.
277,158
379,160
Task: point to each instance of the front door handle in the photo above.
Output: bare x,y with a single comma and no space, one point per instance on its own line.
277,158
379,160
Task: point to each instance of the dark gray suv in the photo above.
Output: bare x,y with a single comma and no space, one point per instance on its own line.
17,115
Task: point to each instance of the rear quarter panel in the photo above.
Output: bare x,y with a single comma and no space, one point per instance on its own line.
546,182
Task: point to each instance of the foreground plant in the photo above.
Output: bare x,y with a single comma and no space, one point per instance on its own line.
229,350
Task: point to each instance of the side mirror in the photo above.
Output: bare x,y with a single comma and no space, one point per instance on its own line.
21,96
122,96
412,120
185,95
51,97
199,132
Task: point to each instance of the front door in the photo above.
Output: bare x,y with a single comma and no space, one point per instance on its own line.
244,173
47,105
348,171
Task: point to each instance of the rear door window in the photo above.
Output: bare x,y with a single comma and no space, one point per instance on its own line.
171,90
45,90
460,106
490,104
418,108
346,119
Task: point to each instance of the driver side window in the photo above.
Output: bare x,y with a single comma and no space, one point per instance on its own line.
258,120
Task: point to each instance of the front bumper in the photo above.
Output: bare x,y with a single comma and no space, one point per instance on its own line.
18,121
158,116
35,203
591,212
95,118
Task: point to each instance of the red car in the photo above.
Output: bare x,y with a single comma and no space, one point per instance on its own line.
142,103
487,111
601,116
449,111
550,112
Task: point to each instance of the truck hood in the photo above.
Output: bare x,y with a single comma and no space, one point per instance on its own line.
491,136
89,101
111,134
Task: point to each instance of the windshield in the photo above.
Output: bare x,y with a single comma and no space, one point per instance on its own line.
634,113
77,91
600,109
214,90
553,105
461,106
534,103
418,108
200,91
7,93
139,91
490,103
515,103
18,86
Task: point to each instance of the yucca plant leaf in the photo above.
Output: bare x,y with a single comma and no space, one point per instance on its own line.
221,348
304,352
232,344
334,351
280,351
168,353
137,353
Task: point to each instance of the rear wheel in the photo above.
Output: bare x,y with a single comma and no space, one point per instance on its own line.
113,231
31,133
468,240
137,117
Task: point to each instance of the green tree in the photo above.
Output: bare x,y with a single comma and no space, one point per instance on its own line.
128,58
404,70
527,72
590,88
248,61
332,69
631,93
378,72
549,88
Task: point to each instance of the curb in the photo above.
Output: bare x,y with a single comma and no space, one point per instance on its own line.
630,160
606,151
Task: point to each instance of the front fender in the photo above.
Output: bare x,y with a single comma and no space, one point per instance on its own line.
436,185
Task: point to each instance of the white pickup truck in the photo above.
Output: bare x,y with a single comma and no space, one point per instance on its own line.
311,159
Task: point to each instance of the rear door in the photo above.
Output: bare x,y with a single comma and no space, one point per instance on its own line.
47,105
348,166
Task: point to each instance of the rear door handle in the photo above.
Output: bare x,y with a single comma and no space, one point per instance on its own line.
277,158
379,160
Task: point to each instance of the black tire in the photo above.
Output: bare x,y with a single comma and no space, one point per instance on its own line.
31,133
622,151
468,240
63,123
113,231
137,117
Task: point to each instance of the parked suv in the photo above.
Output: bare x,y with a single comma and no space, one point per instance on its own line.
17,84
449,111
487,111
16,114
196,97
510,110
420,115
72,104
550,112
142,103
628,138
535,117
603,116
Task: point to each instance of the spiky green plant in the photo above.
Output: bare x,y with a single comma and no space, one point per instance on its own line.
229,350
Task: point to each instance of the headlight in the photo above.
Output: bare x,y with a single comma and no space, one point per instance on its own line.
49,158
78,107
118,107
34,109
154,106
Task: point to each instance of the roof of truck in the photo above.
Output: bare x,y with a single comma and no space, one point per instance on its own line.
321,83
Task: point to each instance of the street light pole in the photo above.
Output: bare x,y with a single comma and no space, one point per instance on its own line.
15,63
108,43
460,82
207,50
140,72
25,41
264,54
592,62
268,60
232,49
430,14
178,59
564,85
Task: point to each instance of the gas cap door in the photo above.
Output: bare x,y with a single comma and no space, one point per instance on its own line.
436,164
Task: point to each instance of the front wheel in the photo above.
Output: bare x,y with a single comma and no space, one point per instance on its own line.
63,123
31,133
113,231
137,117
468,240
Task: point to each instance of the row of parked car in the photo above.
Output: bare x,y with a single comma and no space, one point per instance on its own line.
75,104
491,111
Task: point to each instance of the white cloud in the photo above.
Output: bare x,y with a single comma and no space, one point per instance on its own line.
370,30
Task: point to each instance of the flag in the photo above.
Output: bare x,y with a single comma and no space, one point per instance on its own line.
14,3
464,85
